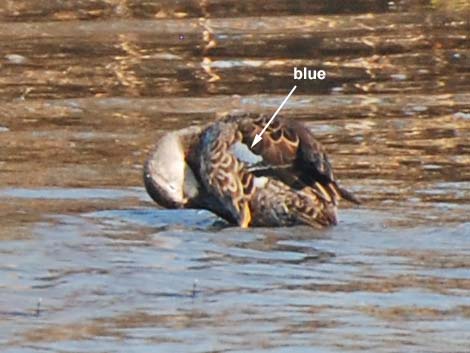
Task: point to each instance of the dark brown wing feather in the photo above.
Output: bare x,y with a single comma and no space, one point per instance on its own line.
292,155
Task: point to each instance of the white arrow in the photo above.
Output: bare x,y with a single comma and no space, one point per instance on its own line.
259,137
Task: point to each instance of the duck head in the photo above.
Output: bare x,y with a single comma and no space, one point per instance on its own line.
168,178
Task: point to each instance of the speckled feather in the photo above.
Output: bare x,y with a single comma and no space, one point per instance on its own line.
222,174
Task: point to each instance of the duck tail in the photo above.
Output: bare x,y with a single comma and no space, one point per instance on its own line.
345,194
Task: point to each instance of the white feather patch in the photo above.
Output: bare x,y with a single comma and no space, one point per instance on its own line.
260,182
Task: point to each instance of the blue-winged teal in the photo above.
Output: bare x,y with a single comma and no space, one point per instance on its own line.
286,179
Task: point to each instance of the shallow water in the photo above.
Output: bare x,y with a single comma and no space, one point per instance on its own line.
90,264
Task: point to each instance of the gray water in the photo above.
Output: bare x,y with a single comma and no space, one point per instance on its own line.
90,264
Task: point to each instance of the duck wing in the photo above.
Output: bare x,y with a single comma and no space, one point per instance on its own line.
290,153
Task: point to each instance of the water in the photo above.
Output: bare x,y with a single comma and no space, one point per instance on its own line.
90,264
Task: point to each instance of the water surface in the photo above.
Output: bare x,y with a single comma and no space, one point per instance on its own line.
90,264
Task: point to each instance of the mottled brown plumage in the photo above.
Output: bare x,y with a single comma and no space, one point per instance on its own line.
286,179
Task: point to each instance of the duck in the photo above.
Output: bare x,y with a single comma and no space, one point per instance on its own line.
286,179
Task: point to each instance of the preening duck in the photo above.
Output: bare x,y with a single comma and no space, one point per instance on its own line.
286,179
